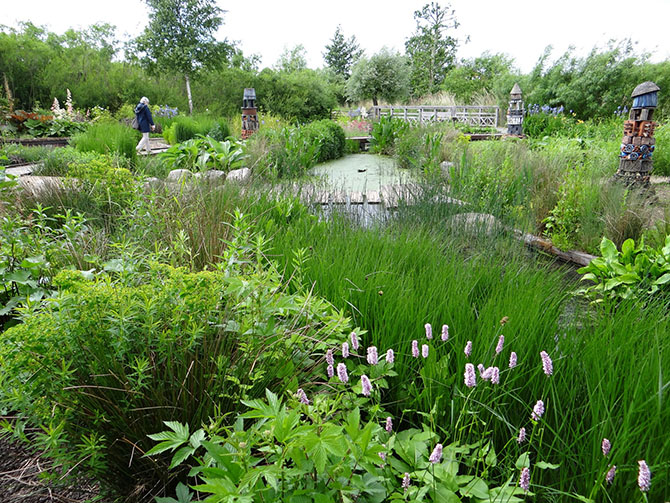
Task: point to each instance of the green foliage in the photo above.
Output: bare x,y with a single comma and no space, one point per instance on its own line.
32,250
432,52
385,133
185,347
634,272
384,76
299,96
180,38
342,53
661,156
108,138
57,160
281,452
478,75
329,136
421,148
203,153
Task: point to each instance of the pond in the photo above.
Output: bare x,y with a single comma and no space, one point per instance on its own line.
361,173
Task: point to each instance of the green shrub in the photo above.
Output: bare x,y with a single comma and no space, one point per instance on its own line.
661,156
154,346
185,128
632,273
385,132
330,137
108,138
58,160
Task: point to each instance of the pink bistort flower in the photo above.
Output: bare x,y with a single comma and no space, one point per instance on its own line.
468,349
538,410
522,436
547,364
424,350
470,377
512,360
354,341
643,476
373,359
609,478
436,455
606,446
415,348
366,385
329,357
345,350
302,396
390,356
524,479
445,332
342,372
501,343
389,425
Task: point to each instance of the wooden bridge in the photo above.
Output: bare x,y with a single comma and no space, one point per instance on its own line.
482,116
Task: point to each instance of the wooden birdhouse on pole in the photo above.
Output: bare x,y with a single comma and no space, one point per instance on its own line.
638,143
249,113
515,112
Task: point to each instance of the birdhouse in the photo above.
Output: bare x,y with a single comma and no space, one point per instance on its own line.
249,113
515,112
638,142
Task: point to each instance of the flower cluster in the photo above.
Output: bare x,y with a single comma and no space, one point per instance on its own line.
545,109
166,111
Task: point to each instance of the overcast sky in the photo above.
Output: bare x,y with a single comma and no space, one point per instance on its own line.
519,28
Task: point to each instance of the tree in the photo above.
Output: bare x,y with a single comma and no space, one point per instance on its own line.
384,76
478,75
180,38
341,54
431,50
292,60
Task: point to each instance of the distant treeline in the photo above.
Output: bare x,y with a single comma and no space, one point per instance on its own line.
36,66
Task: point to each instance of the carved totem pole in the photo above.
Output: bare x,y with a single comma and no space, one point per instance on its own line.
249,113
515,112
637,145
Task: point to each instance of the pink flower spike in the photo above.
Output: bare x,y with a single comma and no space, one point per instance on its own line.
522,436
342,372
345,350
609,478
330,371
390,356
501,343
605,446
547,364
436,455
329,357
524,479
495,375
470,377
373,359
415,348
512,360
354,341
538,410
389,425
429,331
405,481
481,370
366,385
468,349
643,476
445,332
424,350
486,375
302,396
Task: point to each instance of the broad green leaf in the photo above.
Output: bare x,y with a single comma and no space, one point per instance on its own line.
180,456
523,461
543,465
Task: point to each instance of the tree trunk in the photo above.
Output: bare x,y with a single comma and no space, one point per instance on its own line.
374,101
188,93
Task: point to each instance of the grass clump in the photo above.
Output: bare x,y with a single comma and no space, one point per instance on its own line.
108,138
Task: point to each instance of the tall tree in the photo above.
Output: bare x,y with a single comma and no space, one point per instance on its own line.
342,53
383,76
431,49
180,38
292,60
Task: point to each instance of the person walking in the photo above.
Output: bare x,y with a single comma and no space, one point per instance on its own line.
145,123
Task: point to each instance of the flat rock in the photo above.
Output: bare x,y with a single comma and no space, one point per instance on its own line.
179,175
239,175
214,176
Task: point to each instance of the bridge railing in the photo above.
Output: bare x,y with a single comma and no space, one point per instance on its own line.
483,116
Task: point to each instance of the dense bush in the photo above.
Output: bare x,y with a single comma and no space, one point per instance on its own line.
185,347
384,134
182,128
330,137
661,155
108,138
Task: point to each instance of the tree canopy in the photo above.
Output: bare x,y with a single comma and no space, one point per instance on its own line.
180,38
431,49
384,76
341,53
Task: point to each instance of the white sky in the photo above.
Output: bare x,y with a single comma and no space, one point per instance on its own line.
267,27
